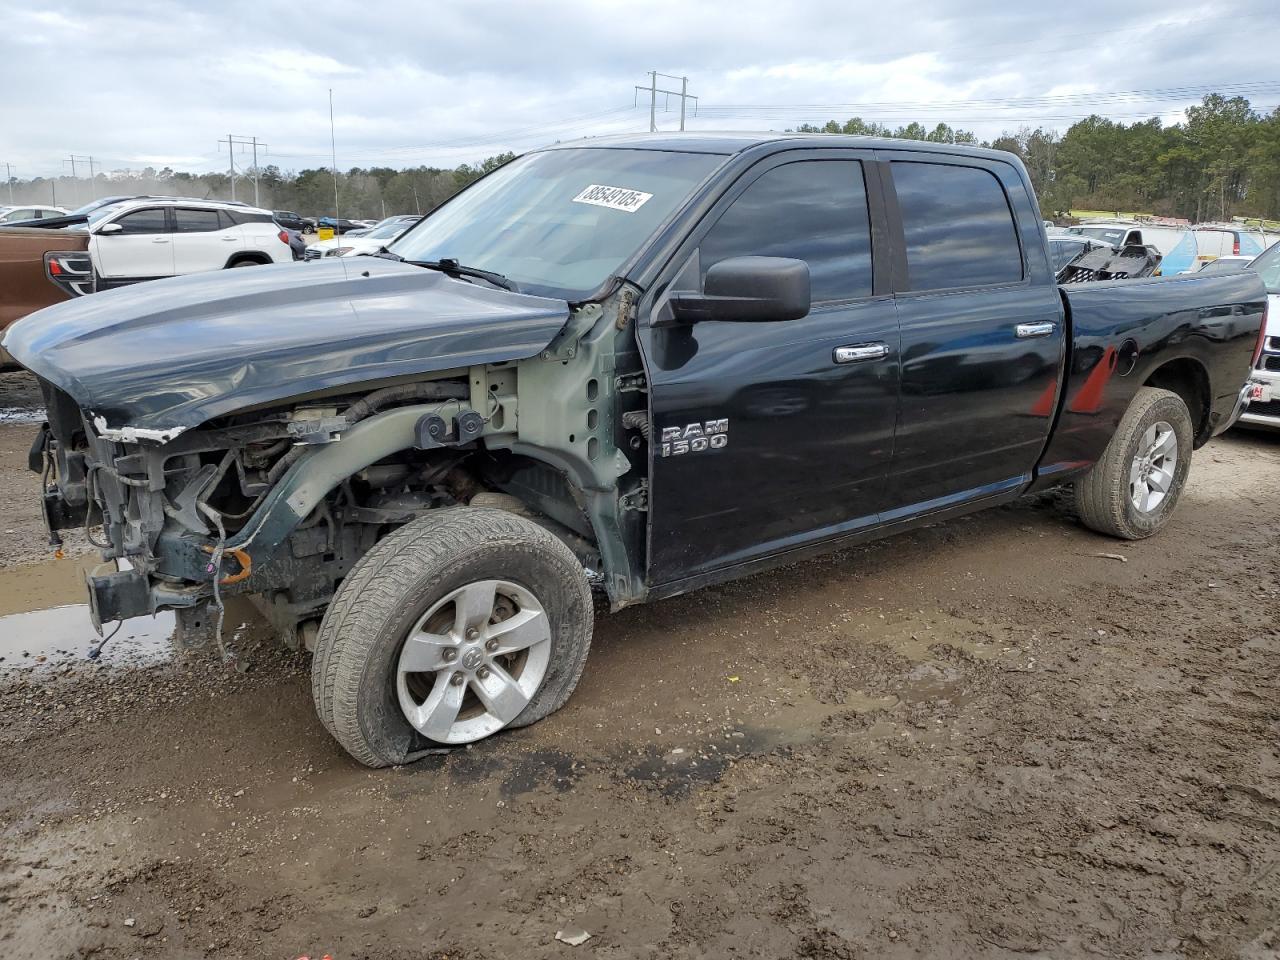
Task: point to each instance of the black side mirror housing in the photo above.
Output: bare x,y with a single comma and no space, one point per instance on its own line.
757,289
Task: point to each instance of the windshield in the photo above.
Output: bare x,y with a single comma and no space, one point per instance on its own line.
97,216
1269,266
94,205
1109,235
559,223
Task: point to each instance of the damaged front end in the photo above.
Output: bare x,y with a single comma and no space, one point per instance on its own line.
252,503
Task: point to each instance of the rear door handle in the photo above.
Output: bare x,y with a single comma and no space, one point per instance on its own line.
229,239
1027,331
857,352
160,240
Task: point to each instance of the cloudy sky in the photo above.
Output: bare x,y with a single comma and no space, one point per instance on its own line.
136,83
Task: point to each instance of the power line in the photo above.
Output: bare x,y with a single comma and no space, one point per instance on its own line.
683,93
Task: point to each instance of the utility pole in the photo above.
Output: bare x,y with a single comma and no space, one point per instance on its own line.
653,90
255,172
74,179
234,141
333,146
231,156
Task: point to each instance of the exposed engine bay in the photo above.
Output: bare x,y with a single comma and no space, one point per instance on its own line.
228,508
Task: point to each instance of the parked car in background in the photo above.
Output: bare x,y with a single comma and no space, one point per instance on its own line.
1264,407
1175,244
146,239
290,220
1217,240
422,467
16,216
1065,247
297,246
341,225
1225,264
368,241
405,218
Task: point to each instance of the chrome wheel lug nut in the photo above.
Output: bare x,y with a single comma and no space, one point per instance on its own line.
482,672
450,656
473,634
491,645
457,679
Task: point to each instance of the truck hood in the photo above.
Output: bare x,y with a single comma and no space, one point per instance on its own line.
152,360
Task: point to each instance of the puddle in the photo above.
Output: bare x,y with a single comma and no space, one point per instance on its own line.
45,622
21,415
58,635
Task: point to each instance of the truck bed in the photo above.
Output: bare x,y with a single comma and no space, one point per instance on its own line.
1120,331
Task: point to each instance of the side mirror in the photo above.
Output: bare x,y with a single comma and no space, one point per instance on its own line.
760,289
109,228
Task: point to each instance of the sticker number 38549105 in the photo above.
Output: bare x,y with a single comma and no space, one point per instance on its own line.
615,198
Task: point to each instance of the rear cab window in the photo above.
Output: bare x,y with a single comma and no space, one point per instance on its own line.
958,226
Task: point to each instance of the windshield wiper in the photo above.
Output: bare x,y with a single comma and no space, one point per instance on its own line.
454,268
386,254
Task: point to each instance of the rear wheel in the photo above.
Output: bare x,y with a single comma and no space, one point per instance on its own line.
1133,489
454,627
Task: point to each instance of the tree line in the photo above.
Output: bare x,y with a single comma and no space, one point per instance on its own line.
1222,161
363,193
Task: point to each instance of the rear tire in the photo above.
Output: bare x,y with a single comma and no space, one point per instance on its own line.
245,263
407,599
1131,492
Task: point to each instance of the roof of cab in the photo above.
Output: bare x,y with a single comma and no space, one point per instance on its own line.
729,142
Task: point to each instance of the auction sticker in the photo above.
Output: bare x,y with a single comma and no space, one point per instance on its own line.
615,198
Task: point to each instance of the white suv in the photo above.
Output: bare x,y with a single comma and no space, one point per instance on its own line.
154,237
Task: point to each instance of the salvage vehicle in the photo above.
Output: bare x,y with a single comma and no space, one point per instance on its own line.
1264,405
24,284
639,365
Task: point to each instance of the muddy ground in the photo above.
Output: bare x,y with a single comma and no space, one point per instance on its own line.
983,739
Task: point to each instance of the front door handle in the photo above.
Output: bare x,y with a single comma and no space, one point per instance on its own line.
860,351
159,240
1027,331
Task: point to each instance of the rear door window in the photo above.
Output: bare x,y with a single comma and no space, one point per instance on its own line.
810,210
958,226
196,221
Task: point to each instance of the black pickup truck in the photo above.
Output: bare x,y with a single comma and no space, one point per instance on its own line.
639,365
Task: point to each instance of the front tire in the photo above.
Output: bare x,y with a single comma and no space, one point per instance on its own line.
452,628
1131,492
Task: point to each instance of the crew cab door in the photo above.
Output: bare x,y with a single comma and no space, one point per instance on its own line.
983,333
202,241
142,250
796,417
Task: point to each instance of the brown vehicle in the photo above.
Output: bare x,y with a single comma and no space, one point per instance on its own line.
25,281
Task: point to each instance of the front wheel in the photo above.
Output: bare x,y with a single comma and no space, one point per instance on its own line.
452,628
1132,490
